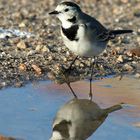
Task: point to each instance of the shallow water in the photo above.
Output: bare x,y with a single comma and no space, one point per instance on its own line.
4,33
28,112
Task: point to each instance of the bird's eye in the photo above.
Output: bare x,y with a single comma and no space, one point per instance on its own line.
66,10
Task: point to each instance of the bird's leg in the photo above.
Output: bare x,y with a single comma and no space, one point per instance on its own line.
73,62
75,96
66,79
92,66
70,67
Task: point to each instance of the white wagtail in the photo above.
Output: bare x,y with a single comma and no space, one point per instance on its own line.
83,34
78,119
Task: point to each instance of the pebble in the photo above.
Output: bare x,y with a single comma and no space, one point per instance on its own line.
22,67
45,49
18,84
31,52
137,75
126,40
37,69
138,39
138,32
124,1
3,84
128,67
129,53
22,45
120,59
22,25
38,48
137,13
50,58
135,52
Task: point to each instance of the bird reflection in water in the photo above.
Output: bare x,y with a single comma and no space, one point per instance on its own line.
78,119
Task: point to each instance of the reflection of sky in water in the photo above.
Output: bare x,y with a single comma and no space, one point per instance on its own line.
4,33
28,113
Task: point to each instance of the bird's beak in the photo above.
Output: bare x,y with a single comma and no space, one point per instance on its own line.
54,13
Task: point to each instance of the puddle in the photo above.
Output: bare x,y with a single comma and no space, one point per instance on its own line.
28,112
4,33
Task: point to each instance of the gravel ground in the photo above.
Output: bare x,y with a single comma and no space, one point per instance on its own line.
40,53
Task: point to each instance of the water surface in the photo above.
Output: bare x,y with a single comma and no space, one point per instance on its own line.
28,112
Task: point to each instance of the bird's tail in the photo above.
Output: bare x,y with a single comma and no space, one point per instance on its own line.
117,32
111,34
114,108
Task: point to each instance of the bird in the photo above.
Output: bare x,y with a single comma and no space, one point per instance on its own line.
81,33
78,119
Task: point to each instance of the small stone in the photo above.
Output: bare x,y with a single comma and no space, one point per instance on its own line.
38,48
45,49
137,13
128,53
22,25
114,52
22,45
51,75
133,62
138,39
65,59
81,65
77,63
137,75
3,84
120,59
135,52
50,58
124,1
37,69
18,84
128,67
126,40
105,54
67,53
22,67
138,31
31,52
57,67
118,49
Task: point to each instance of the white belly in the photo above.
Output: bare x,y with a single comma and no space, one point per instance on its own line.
84,47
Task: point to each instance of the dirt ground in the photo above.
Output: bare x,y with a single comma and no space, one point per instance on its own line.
41,55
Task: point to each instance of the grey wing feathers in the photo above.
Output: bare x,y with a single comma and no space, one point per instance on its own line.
94,27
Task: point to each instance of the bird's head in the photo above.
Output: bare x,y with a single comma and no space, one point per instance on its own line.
67,12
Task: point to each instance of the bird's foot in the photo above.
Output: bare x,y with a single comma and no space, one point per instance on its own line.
90,96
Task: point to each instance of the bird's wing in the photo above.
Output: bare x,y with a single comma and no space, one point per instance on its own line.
95,28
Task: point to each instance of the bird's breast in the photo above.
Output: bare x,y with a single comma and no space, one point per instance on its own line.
78,42
70,33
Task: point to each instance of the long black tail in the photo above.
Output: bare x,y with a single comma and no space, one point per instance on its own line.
106,36
117,32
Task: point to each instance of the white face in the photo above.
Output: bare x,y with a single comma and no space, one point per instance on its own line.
67,12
